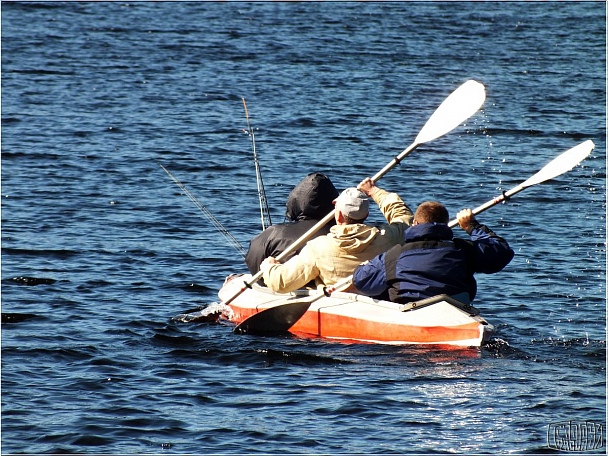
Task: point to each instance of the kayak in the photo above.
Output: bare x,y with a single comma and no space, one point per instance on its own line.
351,317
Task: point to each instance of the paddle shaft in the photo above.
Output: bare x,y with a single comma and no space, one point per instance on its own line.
561,164
394,162
493,202
325,220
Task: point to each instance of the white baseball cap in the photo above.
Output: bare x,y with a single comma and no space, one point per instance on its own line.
353,203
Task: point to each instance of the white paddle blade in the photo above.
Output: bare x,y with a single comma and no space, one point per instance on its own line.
561,164
455,109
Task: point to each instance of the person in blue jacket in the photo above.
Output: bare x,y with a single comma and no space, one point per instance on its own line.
432,261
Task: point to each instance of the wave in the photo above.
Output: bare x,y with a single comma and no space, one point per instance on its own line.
210,313
517,132
60,254
9,317
32,281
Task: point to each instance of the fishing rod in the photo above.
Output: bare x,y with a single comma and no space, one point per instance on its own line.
264,210
231,239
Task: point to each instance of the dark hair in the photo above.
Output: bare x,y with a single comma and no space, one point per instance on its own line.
351,221
431,212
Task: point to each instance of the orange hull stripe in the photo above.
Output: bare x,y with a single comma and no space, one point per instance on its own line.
327,325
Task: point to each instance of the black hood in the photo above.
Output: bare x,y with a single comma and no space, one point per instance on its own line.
312,198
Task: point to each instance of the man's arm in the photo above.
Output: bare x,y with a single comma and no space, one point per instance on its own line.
391,205
493,252
370,277
291,275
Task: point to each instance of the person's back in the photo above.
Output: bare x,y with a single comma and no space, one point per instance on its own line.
432,261
327,259
310,201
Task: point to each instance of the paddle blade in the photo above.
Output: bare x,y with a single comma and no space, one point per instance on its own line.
561,164
455,109
275,319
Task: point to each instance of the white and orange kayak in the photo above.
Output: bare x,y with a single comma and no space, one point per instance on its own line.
441,320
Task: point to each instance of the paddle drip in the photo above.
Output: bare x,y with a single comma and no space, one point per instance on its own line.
559,165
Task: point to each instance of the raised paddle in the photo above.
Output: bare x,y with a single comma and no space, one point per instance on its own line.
559,165
282,317
455,109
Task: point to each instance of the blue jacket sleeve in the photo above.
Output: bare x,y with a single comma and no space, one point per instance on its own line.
370,278
492,252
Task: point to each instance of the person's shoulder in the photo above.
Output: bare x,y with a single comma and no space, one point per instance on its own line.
318,244
320,239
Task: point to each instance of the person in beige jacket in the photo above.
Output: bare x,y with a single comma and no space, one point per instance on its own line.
335,256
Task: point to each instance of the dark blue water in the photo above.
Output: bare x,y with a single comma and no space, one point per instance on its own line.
100,249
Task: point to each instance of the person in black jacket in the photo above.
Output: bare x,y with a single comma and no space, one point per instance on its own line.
432,261
310,201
